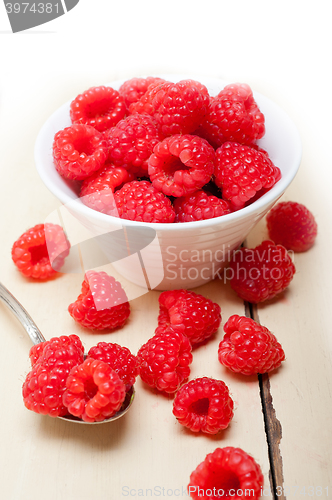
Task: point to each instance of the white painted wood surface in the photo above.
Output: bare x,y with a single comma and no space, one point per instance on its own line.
281,51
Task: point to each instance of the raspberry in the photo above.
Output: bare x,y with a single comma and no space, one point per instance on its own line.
37,350
190,313
102,304
204,404
97,190
45,384
249,347
40,252
119,359
164,361
94,391
199,206
132,141
242,172
261,273
181,164
100,107
226,473
141,201
79,151
292,225
178,107
233,116
132,90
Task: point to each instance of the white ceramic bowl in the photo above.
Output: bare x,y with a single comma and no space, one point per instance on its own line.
183,255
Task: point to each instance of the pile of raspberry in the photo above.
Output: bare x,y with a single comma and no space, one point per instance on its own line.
162,152
62,383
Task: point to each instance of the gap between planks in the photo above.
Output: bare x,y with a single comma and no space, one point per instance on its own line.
272,425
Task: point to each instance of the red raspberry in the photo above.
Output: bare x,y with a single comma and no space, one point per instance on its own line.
97,190
261,273
178,107
119,359
102,304
140,201
249,347
37,350
181,164
226,473
199,206
94,391
190,313
100,107
132,141
46,382
242,172
40,252
79,151
164,361
233,116
292,225
132,90
204,404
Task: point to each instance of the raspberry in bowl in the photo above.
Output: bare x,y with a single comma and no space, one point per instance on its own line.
181,255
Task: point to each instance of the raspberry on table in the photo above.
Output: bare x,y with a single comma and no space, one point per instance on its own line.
100,107
45,384
204,404
197,317
261,273
119,358
37,350
131,143
79,151
248,347
181,164
226,473
40,252
233,115
132,90
97,190
292,225
94,392
163,361
199,206
243,172
178,107
102,304
142,202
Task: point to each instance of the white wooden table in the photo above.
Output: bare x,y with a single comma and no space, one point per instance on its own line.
284,419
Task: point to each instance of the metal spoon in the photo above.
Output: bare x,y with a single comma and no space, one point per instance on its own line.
36,336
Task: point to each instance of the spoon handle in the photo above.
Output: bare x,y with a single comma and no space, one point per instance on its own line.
22,315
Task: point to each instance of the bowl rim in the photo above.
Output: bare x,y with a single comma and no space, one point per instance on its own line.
257,206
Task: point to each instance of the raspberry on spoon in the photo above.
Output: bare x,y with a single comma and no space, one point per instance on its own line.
94,392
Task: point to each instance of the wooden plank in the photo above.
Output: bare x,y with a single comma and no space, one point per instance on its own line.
300,389
273,428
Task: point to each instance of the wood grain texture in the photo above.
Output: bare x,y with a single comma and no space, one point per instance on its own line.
272,425
301,389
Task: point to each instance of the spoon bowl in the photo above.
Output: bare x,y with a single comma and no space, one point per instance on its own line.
37,337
